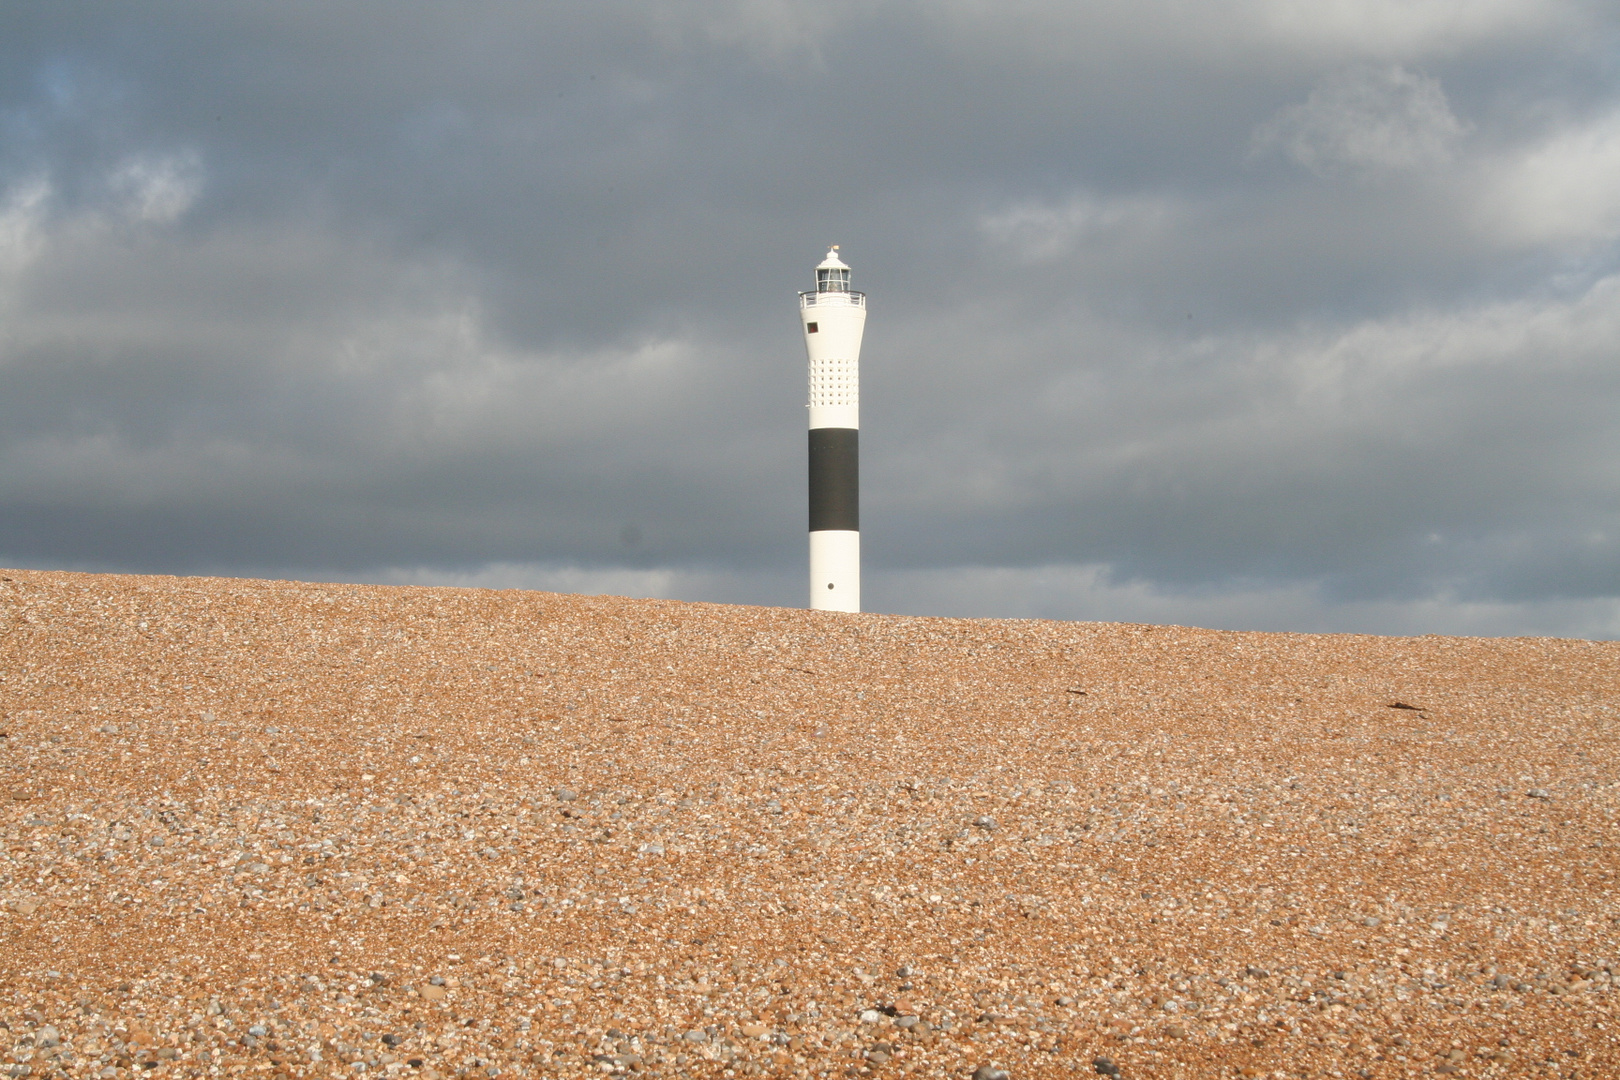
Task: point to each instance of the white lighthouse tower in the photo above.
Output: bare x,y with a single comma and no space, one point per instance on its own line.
834,319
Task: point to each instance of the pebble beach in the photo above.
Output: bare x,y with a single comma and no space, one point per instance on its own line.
278,829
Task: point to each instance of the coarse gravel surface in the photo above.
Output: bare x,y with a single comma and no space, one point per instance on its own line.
273,829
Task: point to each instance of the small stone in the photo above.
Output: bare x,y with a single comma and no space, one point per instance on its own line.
564,795
877,1057
48,1036
696,1035
1105,1066
1501,982
431,992
906,1021
985,822
870,1016
1175,1031
989,1072
1539,793
1256,972
258,1031
753,1031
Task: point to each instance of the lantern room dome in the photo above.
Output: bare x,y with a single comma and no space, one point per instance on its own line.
832,261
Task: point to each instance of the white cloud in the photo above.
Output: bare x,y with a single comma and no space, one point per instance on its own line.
1039,232
157,188
1242,35
1366,122
22,212
1566,188
1403,28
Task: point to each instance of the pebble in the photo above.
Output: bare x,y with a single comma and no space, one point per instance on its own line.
1224,823
990,1072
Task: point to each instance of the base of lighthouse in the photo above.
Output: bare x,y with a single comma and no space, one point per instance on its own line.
835,570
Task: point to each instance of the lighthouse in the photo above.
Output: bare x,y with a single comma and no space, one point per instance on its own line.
834,318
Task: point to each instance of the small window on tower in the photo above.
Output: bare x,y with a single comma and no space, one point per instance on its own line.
811,328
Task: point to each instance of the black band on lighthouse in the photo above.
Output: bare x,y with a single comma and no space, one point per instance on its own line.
835,484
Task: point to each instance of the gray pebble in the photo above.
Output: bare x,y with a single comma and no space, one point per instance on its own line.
1539,793
697,1035
1105,1066
987,1072
985,822
565,795
1256,972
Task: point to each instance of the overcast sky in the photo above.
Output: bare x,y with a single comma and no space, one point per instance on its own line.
1268,314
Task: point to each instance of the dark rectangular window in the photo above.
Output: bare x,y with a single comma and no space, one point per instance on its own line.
812,328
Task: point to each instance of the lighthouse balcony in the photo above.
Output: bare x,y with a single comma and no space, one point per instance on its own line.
832,299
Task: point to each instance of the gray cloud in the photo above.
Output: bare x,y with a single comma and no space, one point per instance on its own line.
1247,314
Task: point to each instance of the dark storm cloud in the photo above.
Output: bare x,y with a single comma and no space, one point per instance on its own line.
1252,313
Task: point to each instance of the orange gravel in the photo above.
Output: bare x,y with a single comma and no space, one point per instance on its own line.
277,829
